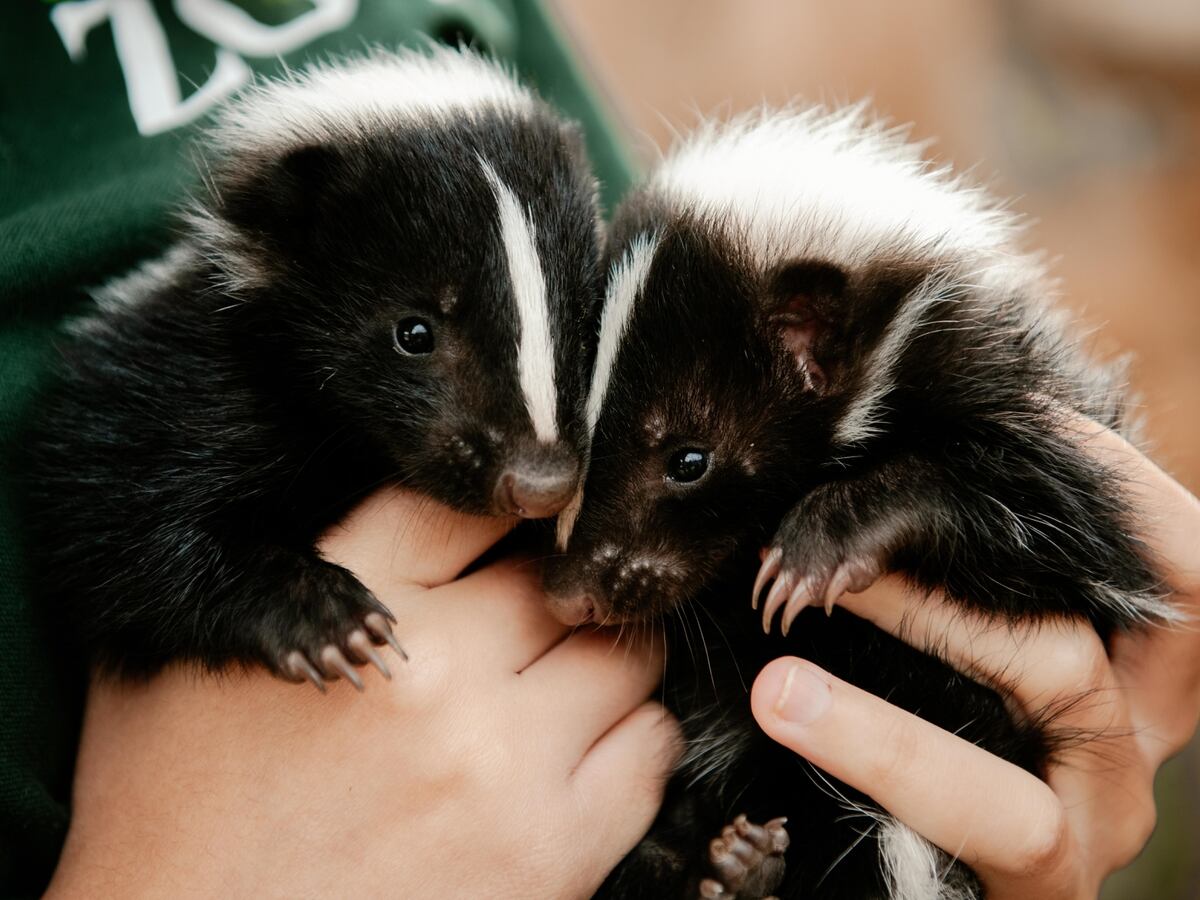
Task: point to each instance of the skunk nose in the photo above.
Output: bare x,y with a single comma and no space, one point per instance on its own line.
539,483
577,610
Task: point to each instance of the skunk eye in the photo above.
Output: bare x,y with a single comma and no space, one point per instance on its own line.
686,466
414,336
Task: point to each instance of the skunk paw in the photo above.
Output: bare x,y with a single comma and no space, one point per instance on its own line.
812,564
327,625
746,861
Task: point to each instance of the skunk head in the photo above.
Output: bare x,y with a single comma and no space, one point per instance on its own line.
771,287
413,243
690,429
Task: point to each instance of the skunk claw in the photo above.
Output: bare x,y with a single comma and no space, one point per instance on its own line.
757,836
361,644
780,840
300,668
799,598
335,661
379,627
768,570
838,585
775,597
383,609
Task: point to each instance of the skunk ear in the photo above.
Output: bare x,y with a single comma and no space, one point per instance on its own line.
806,299
281,197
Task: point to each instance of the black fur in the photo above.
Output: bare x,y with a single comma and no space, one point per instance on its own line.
968,482
221,410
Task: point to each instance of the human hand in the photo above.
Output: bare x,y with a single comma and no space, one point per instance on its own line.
505,759
1023,837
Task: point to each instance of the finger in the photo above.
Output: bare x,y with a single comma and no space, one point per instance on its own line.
1167,512
1106,786
620,782
495,617
1001,820
1159,670
1158,666
1043,664
397,539
588,682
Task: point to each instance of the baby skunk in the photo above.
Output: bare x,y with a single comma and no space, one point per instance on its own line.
388,276
814,342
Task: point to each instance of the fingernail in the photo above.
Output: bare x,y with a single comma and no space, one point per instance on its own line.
804,696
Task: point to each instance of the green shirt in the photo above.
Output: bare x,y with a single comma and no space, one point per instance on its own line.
98,100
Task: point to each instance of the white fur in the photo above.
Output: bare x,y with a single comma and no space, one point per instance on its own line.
914,868
861,419
535,349
146,280
714,746
1141,607
827,185
340,101
231,255
361,96
625,283
565,523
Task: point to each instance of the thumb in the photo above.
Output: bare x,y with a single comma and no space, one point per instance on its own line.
789,694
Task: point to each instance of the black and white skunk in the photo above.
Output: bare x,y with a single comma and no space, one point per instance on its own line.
814,342
388,276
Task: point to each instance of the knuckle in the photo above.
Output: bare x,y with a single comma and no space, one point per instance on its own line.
1046,843
1078,663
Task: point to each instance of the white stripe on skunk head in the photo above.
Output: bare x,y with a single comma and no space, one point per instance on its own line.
338,101
625,282
831,185
535,350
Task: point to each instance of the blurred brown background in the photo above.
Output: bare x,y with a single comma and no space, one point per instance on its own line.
1086,111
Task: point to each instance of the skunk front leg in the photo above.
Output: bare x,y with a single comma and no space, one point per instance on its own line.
1018,528
221,600
842,536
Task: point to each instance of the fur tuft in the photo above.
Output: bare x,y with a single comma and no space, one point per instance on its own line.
915,869
352,98
828,184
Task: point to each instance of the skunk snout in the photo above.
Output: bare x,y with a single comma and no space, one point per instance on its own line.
579,609
604,585
538,481
572,596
